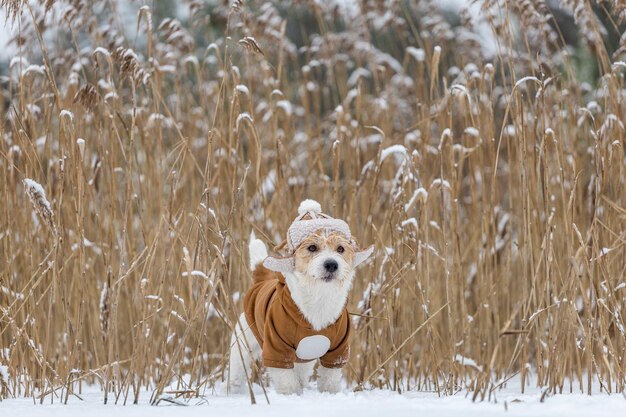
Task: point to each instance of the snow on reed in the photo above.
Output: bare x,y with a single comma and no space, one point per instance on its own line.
393,149
40,203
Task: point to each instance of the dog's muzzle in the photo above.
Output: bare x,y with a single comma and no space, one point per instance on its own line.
330,267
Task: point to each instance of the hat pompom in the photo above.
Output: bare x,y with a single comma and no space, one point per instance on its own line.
309,206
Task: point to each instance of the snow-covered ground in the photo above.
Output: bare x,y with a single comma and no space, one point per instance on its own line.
509,402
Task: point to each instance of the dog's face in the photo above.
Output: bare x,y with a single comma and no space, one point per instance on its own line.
325,257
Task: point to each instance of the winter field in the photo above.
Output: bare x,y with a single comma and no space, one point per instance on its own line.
481,147
313,404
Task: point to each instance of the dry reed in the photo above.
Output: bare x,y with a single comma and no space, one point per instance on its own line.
492,188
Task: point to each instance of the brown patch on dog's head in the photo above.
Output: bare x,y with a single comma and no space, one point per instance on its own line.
319,242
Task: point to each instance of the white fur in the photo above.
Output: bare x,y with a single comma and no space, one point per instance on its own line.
244,348
285,381
304,372
319,301
258,251
292,381
329,379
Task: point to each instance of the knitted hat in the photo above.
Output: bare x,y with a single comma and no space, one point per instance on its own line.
310,219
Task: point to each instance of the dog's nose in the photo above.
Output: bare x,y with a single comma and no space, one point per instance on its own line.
330,265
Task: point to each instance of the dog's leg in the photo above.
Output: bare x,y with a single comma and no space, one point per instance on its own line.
244,348
285,381
329,379
303,371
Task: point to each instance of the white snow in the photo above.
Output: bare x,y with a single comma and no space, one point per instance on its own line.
467,362
420,193
472,131
176,314
603,252
356,74
243,116
80,142
243,89
156,119
191,59
38,69
196,274
10,293
4,375
67,113
508,402
104,294
285,105
35,188
407,222
529,78
18,61
102,50
417,53
509,131
440,182
393,149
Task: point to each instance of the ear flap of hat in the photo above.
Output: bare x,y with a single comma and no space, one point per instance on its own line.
280,246
361,256
282,265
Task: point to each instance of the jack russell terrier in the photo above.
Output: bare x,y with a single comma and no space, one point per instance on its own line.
295,311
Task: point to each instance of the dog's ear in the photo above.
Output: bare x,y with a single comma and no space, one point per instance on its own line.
282,265
360,255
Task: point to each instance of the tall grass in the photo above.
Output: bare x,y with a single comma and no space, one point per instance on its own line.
492,187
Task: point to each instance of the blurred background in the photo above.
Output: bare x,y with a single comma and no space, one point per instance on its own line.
206,18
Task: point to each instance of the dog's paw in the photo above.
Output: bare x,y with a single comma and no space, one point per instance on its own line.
329,380
285,381
233,387
304,371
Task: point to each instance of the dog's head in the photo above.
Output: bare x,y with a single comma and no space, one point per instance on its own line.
325,256
318,246
320,263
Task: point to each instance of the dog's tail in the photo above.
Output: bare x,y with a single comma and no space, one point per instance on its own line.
258,251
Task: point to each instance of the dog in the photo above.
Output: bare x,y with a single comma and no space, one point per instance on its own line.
295,311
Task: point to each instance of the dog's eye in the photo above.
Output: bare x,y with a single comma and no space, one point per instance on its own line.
312,248
340,249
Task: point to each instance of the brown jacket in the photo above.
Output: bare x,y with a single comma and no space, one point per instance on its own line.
280,328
